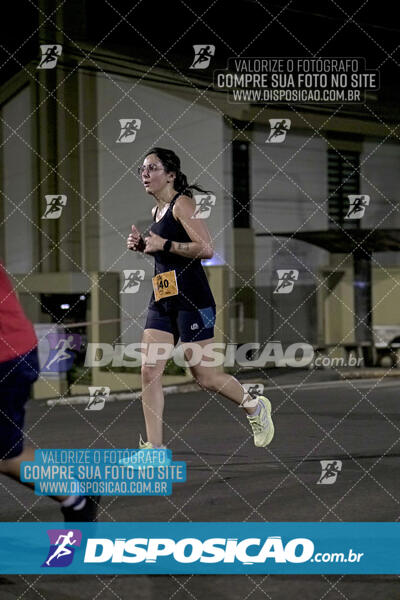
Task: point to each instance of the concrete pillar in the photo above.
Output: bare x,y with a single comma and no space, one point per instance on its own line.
89,184
66,153
44,140
244,284
363,302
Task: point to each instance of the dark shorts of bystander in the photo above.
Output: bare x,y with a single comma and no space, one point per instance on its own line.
16,378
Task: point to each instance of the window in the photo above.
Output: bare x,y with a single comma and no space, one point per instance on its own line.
343,179
241,184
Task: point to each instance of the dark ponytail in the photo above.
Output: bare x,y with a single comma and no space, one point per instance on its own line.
172,164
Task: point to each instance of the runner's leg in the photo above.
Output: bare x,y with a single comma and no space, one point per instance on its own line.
152,394
258,409
211,379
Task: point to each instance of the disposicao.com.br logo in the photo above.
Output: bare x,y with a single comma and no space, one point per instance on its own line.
189,550
192,550
62,547
201,547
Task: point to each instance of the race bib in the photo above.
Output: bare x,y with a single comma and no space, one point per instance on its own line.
165,285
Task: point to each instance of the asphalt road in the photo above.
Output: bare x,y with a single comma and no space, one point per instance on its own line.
356,422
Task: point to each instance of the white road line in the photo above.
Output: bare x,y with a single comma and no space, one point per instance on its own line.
367,383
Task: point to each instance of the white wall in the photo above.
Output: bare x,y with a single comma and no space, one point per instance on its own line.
17,182
288,201
380,164
227,198
194,132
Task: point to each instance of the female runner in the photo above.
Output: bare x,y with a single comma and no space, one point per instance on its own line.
182,305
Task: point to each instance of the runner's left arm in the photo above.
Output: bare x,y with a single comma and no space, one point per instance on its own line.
201,244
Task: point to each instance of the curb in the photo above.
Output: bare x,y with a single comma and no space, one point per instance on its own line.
369,374
184,388
118,396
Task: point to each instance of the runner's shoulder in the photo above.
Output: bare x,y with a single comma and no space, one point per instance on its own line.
184,206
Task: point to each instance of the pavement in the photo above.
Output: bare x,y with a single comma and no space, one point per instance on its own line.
317,417
268,377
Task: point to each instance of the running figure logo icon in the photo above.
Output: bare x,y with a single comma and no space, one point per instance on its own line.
287,278
204,204
330,470
357,206
202,56
61,552
254,389
98,396
279,129
132,281
129,129
62,351
54,206
50,54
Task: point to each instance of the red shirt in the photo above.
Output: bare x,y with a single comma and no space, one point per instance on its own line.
17,335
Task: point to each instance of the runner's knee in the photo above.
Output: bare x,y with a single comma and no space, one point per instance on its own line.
151,373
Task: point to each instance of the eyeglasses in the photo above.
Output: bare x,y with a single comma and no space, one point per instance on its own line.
149,168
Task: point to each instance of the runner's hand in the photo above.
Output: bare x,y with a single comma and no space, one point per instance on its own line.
135,241
154,243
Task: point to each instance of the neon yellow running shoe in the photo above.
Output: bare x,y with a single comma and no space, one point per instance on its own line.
262,425
158,458
148,445
163,457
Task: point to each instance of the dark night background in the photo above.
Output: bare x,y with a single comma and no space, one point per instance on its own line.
143,31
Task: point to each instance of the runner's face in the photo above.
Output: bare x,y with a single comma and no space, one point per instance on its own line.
154,177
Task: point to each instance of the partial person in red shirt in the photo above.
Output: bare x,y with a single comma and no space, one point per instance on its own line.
19,369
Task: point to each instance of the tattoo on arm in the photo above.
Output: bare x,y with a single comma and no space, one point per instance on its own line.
183,246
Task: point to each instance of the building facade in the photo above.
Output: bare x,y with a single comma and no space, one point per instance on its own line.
60,136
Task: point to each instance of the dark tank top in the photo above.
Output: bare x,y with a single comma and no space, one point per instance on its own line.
193,288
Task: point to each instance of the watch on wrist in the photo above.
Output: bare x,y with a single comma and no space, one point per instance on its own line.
167,246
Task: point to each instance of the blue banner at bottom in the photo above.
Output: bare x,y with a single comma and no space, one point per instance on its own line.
200,548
